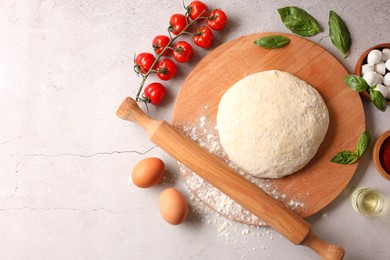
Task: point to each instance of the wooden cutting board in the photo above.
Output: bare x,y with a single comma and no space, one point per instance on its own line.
320,181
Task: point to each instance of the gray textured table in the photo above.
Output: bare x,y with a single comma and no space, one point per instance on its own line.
66,158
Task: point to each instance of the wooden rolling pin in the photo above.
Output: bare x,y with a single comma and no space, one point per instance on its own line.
228,181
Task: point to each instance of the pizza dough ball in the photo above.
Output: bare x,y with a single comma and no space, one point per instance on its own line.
271,123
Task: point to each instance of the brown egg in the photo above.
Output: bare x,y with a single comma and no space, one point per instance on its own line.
173,206
148,172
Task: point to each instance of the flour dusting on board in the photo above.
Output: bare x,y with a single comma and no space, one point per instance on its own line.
205,134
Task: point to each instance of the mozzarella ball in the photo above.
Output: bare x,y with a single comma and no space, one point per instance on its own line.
387,64
382,89
374,57
385,54
386,80
366,68
388,93
380,79
380,68
371,78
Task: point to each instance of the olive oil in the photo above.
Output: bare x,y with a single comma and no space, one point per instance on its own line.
367,201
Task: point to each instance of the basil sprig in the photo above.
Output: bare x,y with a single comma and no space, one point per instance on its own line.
345,157
272,41
339,33
356,83
378,99
349,157
359,84
299,21
363,143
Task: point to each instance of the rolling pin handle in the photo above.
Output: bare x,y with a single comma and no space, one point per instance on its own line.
130,111
325,250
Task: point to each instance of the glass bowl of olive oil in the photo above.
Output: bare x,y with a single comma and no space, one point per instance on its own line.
367,201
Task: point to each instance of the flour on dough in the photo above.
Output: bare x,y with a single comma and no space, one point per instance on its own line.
271,123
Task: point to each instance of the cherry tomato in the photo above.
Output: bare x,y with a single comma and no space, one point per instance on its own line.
196,8
143,62
183,51
203,37
166,69
217,20
159,43
177,23
154,93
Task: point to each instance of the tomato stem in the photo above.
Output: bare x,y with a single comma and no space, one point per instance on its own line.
178,50
187,33
185,7
213,17
171,40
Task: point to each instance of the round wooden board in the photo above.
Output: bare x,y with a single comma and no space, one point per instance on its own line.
320,181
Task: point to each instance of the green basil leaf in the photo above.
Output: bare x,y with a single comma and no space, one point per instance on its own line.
363,143
272,41
339,33
299,21
345,157
378,99
356,83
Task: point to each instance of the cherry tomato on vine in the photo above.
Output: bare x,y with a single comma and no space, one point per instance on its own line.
143,62
154,93
159,43
177,23
203,37
196,8
217,19
183,51
166,69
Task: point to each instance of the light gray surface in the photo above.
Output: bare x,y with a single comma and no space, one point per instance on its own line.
65,158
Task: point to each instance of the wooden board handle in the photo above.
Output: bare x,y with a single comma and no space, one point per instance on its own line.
228,181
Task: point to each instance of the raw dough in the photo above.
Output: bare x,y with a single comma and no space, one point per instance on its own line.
271,123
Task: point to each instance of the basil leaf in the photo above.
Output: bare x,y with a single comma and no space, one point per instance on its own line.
378,99
339,33
348,157
363,143
356,83
272,41
345,157
299,21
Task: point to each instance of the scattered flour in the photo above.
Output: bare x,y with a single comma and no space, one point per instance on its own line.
325,215
234,234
